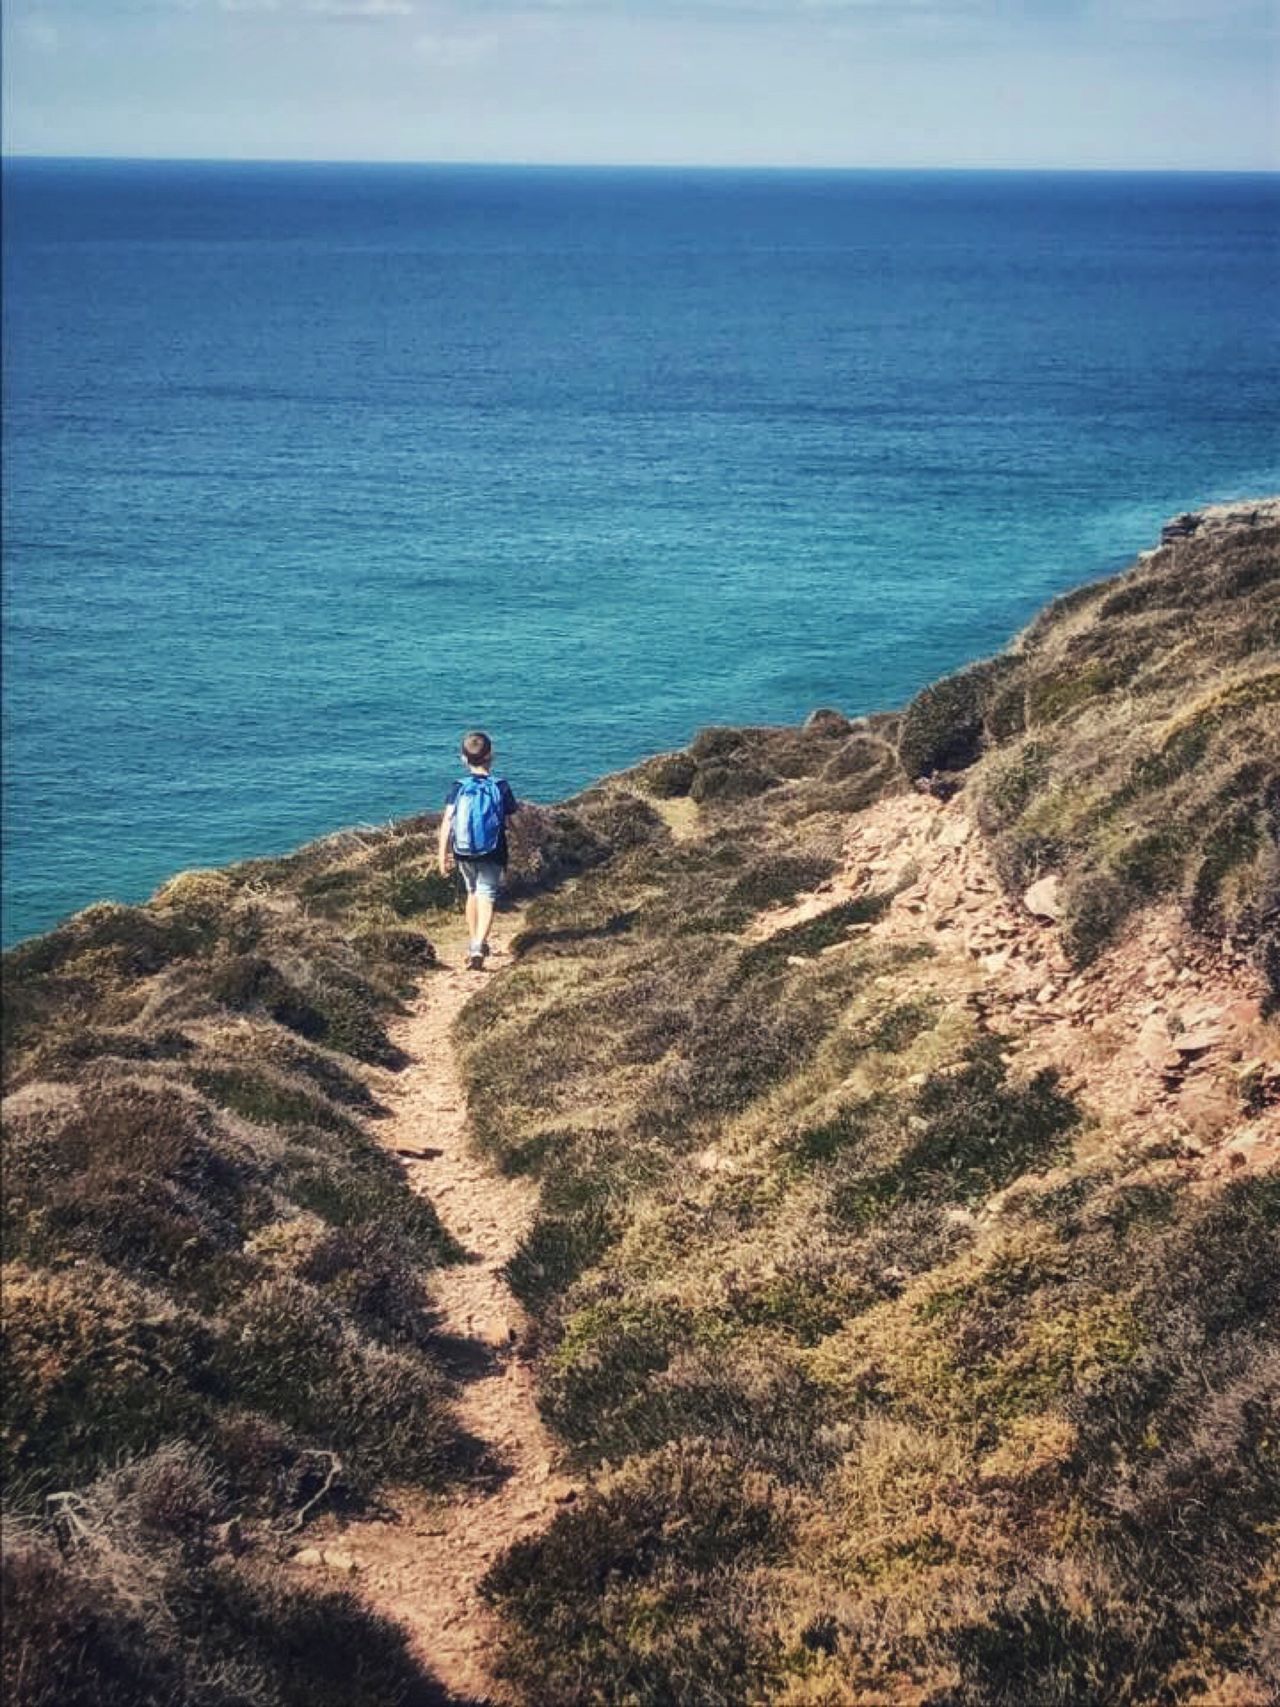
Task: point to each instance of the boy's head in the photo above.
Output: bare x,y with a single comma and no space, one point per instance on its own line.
477,749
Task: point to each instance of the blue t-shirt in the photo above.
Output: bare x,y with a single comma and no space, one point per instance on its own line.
510,805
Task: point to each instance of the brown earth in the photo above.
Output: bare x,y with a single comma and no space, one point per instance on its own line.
1161,1039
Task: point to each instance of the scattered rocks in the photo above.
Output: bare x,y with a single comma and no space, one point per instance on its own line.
1207,1107
955,832
1160,1034
327,1558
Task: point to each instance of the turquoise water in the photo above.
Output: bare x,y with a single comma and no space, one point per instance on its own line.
308,468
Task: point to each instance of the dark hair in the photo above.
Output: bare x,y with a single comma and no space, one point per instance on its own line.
476,747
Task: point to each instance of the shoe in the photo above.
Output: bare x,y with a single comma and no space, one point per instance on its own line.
475,957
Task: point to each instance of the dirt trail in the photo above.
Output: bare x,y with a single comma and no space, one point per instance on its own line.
422,1568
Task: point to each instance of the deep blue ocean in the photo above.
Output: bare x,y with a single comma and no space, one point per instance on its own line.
308,468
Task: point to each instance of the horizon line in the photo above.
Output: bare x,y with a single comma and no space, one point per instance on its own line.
11,155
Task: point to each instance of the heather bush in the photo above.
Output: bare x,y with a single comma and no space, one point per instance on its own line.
284,1350
269,1098
126,1595
898,1383
95,1365
668,777
724,781
229,1045
944,727
632,1593
775,879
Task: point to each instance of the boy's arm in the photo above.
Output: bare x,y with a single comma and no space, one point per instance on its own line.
442,850
510,804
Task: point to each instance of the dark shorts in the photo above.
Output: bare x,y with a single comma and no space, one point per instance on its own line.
481,876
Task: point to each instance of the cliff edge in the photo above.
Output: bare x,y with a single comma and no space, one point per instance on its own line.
892,1107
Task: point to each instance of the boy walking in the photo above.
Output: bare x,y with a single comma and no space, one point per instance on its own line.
474,831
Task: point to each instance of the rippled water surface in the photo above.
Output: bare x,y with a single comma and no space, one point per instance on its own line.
307,468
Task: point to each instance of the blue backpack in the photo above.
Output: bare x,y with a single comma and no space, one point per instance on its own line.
477,818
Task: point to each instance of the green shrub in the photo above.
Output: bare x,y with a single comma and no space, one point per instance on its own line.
721,782
981,1132
813,935
284,1351
269,1100
310,1647
376,1282
65,1648
407,892
669,776
856,757
775,879
94,1366
394,947
943,727
1033,1647
62,1053
132,1610
555,1251
131,1171
361,1183
634,1594
716,743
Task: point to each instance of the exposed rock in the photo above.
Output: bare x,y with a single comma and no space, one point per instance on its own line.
825,721
1243,1013
1153,1038
1219,518
1207,1106
1042,898
1198,1038
955,833
1181,527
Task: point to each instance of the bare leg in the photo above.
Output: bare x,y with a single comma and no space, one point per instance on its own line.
484,918
471,919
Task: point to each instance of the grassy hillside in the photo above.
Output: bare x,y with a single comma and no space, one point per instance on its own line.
897,1370
216,1322
901,1377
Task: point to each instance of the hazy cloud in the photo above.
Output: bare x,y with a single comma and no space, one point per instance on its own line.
454,50
366,11
39,32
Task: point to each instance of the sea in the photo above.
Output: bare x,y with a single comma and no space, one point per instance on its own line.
309,468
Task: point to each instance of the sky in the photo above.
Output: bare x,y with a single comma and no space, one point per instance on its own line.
1113,84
